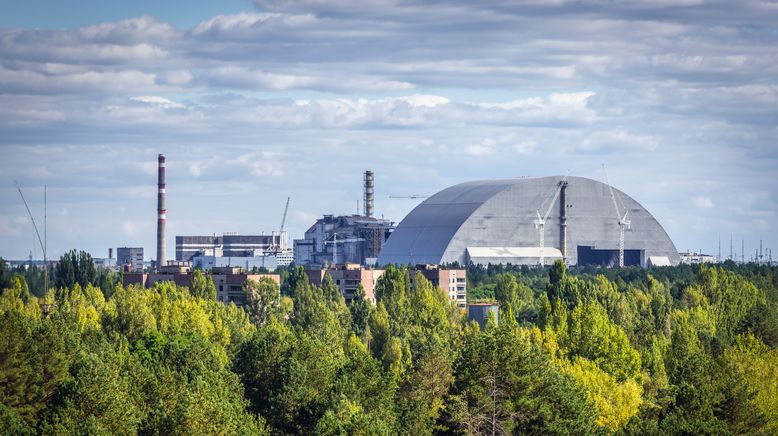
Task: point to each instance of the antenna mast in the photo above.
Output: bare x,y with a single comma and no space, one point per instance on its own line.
37,233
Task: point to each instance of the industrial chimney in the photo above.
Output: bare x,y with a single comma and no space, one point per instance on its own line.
368,200
161,213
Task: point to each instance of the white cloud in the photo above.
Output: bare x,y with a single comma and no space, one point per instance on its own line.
157,101
703,202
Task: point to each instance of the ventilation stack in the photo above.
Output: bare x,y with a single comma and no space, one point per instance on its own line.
368,200
563,218
161,256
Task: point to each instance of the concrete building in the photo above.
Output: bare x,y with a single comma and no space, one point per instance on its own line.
500,222
452,281
229,281
132,256
334,240
347,278
693,258
235,245
268,261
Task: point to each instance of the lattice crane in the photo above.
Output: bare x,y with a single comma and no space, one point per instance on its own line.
624,222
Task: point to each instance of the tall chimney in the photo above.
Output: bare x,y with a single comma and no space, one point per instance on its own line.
368,202
563,218
161,213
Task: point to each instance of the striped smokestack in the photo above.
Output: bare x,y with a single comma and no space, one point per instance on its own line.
161,213
368,200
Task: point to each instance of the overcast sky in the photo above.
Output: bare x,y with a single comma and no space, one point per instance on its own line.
256,101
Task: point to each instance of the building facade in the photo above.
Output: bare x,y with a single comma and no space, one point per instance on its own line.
334,240
451,281
132,256
229,281
347,278
234,245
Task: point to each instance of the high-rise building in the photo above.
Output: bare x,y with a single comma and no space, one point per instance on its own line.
132,256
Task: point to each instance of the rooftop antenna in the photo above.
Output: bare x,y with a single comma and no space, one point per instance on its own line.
622,220
42,242
719,258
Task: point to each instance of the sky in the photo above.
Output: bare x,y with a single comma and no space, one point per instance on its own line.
256,101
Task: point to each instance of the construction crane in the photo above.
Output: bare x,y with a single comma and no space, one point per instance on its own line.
623,221
42,242
286,209
410,196
335,241
540,222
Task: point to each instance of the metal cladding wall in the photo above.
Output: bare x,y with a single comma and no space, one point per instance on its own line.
501,213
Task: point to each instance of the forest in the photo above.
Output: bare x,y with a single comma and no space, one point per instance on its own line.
671,350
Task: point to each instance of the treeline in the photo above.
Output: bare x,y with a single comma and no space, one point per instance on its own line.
668,351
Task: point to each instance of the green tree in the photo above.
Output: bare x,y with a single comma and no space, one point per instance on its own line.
360,311
263,299
202,285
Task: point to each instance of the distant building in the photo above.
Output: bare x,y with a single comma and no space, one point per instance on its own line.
231,249
229,281
334,240
232,245
452,281
206,263
132,256
692,258
347,278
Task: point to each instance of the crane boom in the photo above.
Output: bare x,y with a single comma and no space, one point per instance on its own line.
286,209
622,220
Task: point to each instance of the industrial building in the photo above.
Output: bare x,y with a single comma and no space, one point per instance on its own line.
690,257
234,249
131,257
335,240
530,221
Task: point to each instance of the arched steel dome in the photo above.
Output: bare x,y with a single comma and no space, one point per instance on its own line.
493,221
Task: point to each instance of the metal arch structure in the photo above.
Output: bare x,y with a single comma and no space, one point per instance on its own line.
501,213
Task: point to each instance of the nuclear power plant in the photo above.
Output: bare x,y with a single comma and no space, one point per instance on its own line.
530,221
526,221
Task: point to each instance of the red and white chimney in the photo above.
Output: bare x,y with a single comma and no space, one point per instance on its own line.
161,257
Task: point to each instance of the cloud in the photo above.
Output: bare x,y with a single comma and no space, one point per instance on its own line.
158,101
299,96
703,202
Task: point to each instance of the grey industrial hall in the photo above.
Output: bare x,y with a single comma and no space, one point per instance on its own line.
530,221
